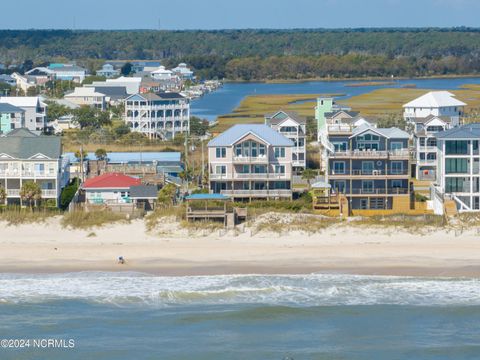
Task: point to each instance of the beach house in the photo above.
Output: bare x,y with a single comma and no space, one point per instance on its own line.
327,107
11,117
87,96
436,103
35,110
370,166
68,72
251,161
293,127
108,71
111,188
184,72
458,166
161,115
25,156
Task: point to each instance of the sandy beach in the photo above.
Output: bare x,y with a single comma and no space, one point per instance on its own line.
169,250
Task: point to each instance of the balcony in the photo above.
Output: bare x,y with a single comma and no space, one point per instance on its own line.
431,149
250,176
249,159
339,128
257,193
13,192
369,173
298,149
371,154
379,191
431,162
45,193
27,174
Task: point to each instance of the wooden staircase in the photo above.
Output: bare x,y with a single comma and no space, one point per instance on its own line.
450,208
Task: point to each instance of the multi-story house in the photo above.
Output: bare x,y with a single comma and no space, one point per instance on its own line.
370,166
70,72
108,71
11,117
35,110
87,96
158,115
251,161
425,144
25,157
131,84
458,167
327,107
184,72
437,103
292,127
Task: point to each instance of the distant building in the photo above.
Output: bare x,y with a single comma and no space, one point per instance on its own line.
108,71
184,72
292,127
114,95
458,166
68,72
8,79
87,96
251,161
162,74
111,188
24,157
11,117
131,84
158,115
144,66
35,110
436,103
24,82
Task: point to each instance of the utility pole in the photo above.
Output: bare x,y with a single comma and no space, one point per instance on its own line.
186,158
203,166
81,164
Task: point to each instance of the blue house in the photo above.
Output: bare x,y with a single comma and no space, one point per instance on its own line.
370,166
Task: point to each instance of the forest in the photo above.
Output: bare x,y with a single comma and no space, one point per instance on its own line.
260,54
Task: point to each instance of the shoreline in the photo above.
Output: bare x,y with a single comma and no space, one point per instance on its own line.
173,251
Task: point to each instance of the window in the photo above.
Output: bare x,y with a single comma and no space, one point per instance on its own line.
396,145
422,141
339,167
456,166
339,186
279,152
454,184
456,147
340,145
221,152
244,169
396,184
435,128
368,142
238,150
367,167
367,186
397,167
220,169
279,169
261,150
259,169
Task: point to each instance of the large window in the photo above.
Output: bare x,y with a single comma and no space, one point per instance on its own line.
220,169
339,167
368,142
340,145
456,147
456,166
456,184
396,167
279,152
221,152
250,149
279,169
367,167
367,186
339,186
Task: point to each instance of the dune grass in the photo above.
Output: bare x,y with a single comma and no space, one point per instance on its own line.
414,224
17,215
91,219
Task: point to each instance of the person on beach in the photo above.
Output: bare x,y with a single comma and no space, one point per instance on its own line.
121,260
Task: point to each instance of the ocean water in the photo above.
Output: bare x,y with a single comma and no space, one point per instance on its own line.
315,316
227,98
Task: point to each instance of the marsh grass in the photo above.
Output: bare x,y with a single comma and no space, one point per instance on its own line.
90,219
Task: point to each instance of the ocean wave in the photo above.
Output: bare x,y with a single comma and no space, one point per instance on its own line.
282,290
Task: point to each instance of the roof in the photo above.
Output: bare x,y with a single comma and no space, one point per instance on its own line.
207,197
334,113
65,68
133,157
84,91
263,132
111,181
143,192
6,107
116,92
424,120
468,131
20,101
389,133
281,115
435,99
159,96
24,144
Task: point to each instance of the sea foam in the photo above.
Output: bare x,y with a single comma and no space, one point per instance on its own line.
291,290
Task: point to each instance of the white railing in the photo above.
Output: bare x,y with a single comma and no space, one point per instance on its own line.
298,149
341,128
372,153
49,193
262,193
29,174
13,192
261,176
248,159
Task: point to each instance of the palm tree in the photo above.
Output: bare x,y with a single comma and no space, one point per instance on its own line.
309,174
31,193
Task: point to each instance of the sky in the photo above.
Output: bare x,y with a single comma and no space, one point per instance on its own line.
237,14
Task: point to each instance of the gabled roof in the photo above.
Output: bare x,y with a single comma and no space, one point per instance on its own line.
143,192
158,96
389,133
335,113
279,116
24,144
237,132
115,92
21,101
435,99
469,131
84,91
111,181
424,120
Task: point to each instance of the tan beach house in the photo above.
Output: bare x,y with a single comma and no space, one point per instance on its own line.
251,161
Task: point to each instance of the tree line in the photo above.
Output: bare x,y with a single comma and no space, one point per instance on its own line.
232,53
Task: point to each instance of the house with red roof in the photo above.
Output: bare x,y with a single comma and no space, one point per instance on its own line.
110,188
